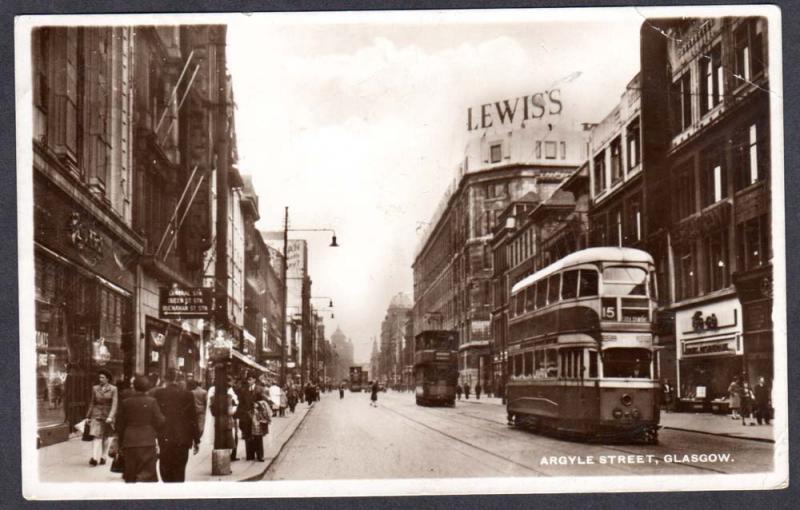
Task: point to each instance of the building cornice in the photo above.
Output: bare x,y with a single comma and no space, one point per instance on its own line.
48,165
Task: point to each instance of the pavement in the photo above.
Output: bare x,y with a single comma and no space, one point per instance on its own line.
69,461
701,423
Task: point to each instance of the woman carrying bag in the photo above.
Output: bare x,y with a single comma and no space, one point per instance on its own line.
261,418
100,415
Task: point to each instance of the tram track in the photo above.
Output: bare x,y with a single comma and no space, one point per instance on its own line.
467,443
467,418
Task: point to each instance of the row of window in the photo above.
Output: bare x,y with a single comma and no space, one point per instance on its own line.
611,160
580,363
620,226
753,250
574,284
748,63
748,163
552,150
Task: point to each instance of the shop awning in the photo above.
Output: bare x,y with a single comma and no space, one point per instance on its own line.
247,361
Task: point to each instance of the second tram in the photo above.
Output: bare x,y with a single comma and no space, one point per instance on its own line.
435,367
581,354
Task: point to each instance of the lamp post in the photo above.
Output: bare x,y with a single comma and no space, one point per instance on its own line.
286,231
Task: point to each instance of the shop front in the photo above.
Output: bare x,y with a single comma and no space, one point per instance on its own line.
710,353
83,308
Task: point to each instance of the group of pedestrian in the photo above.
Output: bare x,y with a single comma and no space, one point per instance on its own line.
148,425
750,404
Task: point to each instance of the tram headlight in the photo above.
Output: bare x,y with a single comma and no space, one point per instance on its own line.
635,413
626,400
617,413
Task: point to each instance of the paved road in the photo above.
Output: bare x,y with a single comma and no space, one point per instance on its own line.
348,439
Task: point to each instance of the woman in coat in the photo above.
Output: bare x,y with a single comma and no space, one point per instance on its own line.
374,397
101,413
735,396
747,404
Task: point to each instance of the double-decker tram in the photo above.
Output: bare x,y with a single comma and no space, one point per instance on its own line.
581,355
436,367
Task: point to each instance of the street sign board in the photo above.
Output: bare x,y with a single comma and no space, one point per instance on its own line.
185,302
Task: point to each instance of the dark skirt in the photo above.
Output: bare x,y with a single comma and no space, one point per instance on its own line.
374,396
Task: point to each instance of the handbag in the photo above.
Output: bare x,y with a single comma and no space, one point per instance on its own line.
87,436
118,466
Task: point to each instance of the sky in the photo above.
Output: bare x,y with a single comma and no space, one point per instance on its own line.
358,122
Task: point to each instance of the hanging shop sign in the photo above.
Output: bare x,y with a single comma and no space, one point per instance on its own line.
185,302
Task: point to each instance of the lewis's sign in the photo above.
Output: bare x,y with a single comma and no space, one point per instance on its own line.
520,109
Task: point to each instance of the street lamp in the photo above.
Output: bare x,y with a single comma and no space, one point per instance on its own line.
286,231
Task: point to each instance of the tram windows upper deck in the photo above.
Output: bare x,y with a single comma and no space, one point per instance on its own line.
624,281
541,294
553,288
569,284
588,285
530,298
627,362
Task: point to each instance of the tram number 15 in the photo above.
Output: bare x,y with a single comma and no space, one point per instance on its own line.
609,309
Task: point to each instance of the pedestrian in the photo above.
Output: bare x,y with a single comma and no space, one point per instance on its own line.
101,413
666,394
478,389
341,390
200,396
155,382
373,399
284,402
291,396
224,418
459,390
466,390
762,401
275,397
260,416
138,420
746,404
735,398
248,397
179,432
309,394
124,389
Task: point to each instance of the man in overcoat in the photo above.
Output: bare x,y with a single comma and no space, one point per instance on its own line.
248,396
179,432
762,398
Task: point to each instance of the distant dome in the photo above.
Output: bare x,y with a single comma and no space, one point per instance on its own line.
401,300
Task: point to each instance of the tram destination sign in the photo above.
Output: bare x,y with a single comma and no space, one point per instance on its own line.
185,302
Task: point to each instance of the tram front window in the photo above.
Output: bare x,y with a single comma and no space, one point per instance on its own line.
626,362
624,281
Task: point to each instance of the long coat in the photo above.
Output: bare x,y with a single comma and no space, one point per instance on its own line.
247,399
177,406
138,420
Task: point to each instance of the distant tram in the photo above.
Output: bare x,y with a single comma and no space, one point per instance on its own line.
435,367
581,353
358,379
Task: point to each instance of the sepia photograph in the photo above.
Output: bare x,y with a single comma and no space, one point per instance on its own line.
387,253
